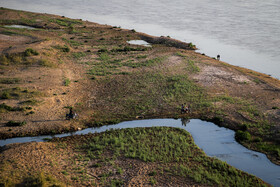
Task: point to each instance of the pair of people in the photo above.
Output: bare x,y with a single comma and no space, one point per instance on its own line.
72,114
185,108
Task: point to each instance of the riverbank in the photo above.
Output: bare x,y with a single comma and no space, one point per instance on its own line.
91,67
158,156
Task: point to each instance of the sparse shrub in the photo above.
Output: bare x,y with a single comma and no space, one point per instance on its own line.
257,81
242,136
30,52
64,48
67,82
275,107
192,46
29,102
16,58
4,107
46,63
217,120
78,55
117,182
4,60
102,50
258,139
153,173
9,80
5,95
31,112
96,165
15,123
153,181
244,127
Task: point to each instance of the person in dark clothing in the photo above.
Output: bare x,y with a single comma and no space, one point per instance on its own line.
218,57
71,115
183,109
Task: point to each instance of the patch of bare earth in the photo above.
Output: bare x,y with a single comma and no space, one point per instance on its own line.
63,163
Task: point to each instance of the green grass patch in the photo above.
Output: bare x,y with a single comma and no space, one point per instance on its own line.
10,33
30,52
242,136
149,94
4,108
67,82
17,93
66,21
78,55
147,63
29,102
72,43
192,67
47,63
64,48
8,59
165,145
128,49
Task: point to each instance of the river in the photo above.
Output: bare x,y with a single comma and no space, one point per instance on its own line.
213,140
243,33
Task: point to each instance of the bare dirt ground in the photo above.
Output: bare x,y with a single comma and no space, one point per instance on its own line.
91,67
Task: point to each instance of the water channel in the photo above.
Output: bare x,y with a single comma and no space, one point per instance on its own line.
214,140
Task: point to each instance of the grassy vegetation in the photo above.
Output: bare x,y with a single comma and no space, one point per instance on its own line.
47,63
162,94
4,108
29,102
9,80
18,58
67,82
17,93
64,48
36,179
15,123
78,55
30,52
72,43
66,21
165,145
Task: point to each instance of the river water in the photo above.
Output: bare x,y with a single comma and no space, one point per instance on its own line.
244,33
215,141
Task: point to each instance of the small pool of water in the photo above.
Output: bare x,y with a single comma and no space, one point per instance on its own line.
19,27
214,140
139,42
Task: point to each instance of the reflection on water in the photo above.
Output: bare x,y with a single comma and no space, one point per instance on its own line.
185,121
208,136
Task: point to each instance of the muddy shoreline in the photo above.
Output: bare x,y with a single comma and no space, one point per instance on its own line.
103,72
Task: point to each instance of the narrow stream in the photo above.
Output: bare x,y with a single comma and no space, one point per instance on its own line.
214,140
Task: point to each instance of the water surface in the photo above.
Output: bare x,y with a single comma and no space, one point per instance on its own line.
19,27
139,42
244,33
215,141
